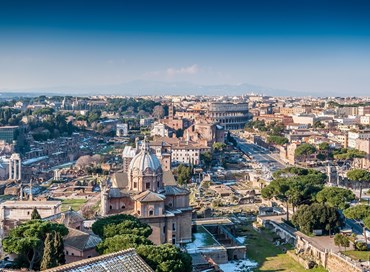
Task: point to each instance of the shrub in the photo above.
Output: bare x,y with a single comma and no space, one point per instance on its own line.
360,246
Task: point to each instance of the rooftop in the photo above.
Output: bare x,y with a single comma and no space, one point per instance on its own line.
31,204
122,261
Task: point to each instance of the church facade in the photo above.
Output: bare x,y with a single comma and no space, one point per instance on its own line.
151,195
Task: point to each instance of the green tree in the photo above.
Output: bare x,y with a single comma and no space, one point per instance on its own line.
335,197
165,258
294,189
35,214
341,240
317,217
278,140
324,146
183,174
121,242
318,124
304,150
48,259
348,154
359,213
120,224
278,189
218,146
27,240
60,258
359,175
206,158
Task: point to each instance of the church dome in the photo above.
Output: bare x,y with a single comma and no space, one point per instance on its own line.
145,160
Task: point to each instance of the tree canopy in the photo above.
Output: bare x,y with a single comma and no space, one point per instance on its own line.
305,150
183,174
359,212
317,216
359,175
53,251
218,146
121,242
348,154
294,185
278,140
120,224
341,240
124,231
27,240
35,214
165,258
335,197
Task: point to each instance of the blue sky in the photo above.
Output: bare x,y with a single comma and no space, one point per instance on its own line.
312,46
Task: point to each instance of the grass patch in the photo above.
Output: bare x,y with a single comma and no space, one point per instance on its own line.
357,255
260,248
75,204
282,262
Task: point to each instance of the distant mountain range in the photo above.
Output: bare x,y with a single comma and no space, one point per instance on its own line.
145,87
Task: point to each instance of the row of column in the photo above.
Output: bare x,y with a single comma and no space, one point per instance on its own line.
15,169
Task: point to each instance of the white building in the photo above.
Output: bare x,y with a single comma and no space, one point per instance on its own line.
186,154
307,119
354,135
350,120
365,120
160,129
121,130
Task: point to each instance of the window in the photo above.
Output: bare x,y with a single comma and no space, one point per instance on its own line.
135,184
147,185
151,213
110,207
123,206
138,212
67,252
164,229
173,226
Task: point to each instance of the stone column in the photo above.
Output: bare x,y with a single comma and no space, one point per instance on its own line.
15,170
20,169
10,170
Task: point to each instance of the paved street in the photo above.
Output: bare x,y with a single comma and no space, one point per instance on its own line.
260,155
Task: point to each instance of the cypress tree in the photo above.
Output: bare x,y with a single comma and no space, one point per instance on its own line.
35,214
59,249
48,258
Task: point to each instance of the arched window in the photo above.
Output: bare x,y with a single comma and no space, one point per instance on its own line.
151,213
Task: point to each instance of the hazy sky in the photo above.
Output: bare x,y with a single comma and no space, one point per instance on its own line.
318,46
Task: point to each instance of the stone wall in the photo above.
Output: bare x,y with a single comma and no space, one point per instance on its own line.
339,263
298,259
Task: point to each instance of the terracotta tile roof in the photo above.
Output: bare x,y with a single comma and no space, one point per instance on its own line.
168,178
81,240
122,261
149,196
175,190
66,218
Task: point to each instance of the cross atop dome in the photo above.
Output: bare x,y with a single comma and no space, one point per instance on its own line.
145,144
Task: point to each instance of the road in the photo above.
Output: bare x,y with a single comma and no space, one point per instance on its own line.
260,155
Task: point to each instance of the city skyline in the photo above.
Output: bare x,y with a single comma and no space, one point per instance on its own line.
306,47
